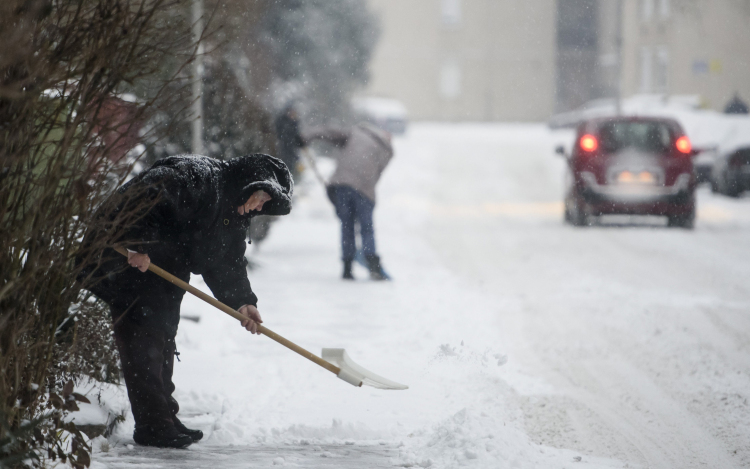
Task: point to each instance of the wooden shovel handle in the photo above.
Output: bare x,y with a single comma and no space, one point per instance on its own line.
219,305
311,161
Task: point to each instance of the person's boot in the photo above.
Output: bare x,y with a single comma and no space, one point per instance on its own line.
195,435
167,437
376,270
347,275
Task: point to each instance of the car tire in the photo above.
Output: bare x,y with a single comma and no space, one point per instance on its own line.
714,186
686,221
732,191
574,214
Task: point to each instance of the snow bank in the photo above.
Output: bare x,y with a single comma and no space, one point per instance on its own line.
108,403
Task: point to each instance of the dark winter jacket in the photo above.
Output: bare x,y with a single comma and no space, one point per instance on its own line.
290,140
187,223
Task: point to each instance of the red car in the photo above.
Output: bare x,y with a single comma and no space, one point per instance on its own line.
632,166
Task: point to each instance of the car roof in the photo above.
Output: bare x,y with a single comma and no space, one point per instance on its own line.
594,124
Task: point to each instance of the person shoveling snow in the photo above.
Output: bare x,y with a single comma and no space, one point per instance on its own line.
365,151
192,216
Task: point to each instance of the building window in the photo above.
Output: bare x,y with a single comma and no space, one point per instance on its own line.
654,69
661,70
450,12
647,10
664,9
646,70
450,80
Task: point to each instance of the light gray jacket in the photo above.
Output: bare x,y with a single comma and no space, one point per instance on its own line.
365,152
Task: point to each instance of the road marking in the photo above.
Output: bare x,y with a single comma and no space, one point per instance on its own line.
714,212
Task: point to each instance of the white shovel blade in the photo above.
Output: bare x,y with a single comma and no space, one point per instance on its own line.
355,374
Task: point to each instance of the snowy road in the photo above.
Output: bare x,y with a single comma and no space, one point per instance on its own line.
642,332
526,343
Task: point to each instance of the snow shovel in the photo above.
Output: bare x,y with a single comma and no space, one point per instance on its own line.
334,360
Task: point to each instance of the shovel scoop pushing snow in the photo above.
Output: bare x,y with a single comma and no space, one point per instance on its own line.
334,360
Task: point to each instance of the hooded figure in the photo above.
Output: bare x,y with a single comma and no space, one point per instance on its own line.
187,214
289,138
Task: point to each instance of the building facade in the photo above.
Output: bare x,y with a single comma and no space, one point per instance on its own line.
523,60
693,47
479,60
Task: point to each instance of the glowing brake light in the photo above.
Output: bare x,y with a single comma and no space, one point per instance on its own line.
683,145
589,143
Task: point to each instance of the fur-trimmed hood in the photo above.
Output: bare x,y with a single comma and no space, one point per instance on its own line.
247,174
241,177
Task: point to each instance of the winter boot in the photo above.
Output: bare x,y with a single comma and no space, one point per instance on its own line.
195,435
347,275
376,270
167,437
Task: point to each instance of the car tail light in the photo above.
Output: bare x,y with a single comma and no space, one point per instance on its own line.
683,145
588,143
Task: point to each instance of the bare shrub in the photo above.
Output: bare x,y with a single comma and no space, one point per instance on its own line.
67,128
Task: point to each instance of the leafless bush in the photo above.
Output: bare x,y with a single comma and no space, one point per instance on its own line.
67,128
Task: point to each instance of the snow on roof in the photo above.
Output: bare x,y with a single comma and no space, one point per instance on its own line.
379,107
705,128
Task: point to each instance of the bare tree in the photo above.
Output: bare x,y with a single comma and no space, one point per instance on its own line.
320,52
67,129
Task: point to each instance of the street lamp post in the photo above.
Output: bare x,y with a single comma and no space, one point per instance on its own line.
618,48
197,107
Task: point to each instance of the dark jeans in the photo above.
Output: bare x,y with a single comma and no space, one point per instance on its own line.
147,357
354,208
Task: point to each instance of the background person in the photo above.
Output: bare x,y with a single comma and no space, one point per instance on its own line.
364,153
290,140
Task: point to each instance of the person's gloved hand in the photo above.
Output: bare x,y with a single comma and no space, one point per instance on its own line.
139,261
253,315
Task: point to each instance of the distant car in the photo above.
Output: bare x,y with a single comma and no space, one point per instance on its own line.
631,165
730,174
703,163
385,113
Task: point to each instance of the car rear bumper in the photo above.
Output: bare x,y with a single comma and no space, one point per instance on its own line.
638,199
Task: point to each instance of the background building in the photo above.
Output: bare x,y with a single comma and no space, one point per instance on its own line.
699,47
521,60
467,60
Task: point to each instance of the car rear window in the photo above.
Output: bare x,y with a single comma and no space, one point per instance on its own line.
644,136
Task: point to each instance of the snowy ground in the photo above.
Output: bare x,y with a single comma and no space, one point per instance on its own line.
525,343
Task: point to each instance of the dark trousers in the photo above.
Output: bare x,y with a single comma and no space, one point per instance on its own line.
147,357
353,208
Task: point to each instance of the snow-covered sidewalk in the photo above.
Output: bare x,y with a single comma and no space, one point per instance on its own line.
260,404
625,343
